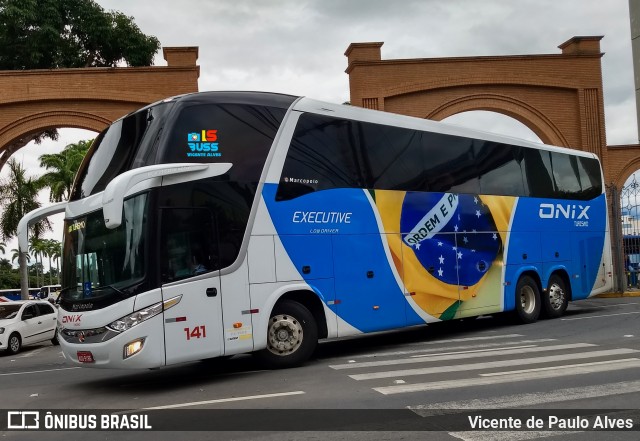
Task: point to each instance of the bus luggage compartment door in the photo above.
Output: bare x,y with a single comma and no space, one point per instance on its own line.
370,298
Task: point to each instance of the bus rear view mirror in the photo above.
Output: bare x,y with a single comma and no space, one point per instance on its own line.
31,218
114,194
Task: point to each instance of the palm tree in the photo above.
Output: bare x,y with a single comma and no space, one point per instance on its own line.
56,253
16,255
52,248
38,247
62,168
19,196
2,247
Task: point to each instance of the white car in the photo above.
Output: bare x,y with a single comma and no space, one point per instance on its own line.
26,322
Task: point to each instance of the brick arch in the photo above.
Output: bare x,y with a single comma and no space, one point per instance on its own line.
528,115
89,98
627,161
558,96
54,119
24,128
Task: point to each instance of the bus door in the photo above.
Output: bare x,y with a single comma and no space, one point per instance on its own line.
188,264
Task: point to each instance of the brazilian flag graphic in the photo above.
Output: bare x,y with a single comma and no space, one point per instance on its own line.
449,245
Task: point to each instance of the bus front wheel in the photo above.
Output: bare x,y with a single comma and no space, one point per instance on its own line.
555,300
527,300
292,336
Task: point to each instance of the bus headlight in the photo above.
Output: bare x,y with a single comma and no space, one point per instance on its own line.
133,348
131,320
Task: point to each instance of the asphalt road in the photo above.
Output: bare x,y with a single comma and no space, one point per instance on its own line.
585,363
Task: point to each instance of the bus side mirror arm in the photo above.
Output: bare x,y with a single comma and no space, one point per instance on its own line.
117,189
31,218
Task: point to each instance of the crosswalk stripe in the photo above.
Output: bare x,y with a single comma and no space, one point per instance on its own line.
548,368
507,435
454,348
531,399
491,364
558,371
600,316
461,356
465,339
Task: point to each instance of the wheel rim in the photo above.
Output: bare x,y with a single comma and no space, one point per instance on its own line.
285,335
14,344
527,299
556,296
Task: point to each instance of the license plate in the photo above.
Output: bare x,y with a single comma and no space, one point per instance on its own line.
85,357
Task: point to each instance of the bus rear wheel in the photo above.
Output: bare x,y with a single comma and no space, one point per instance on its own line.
292,336
555,299
527,300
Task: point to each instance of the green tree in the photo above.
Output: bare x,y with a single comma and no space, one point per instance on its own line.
38,248
52,251
50,34
18,196
62,168
2,247
16,255
55,252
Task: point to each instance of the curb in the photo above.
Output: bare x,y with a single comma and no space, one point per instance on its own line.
615,295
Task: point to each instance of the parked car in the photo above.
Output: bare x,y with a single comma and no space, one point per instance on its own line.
26,322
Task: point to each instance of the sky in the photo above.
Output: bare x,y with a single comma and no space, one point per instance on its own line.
297,47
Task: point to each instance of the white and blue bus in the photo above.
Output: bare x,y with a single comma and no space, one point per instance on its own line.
10,295
220,223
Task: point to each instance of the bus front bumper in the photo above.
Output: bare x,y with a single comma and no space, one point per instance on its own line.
141,347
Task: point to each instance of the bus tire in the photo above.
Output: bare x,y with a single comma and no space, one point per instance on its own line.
14,344
527,300
555,299
292,336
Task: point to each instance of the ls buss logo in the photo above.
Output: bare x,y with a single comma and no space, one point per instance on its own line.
203,143
577,213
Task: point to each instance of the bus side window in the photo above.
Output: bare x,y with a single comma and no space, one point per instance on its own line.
188,238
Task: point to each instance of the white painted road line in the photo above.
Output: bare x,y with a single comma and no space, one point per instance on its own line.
550,368
473,351
466,339
558,371
491,364
532,399
226,400
599,316
455,348
39,372
461,356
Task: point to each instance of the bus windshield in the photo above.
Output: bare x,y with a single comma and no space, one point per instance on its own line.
128,143
102,263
